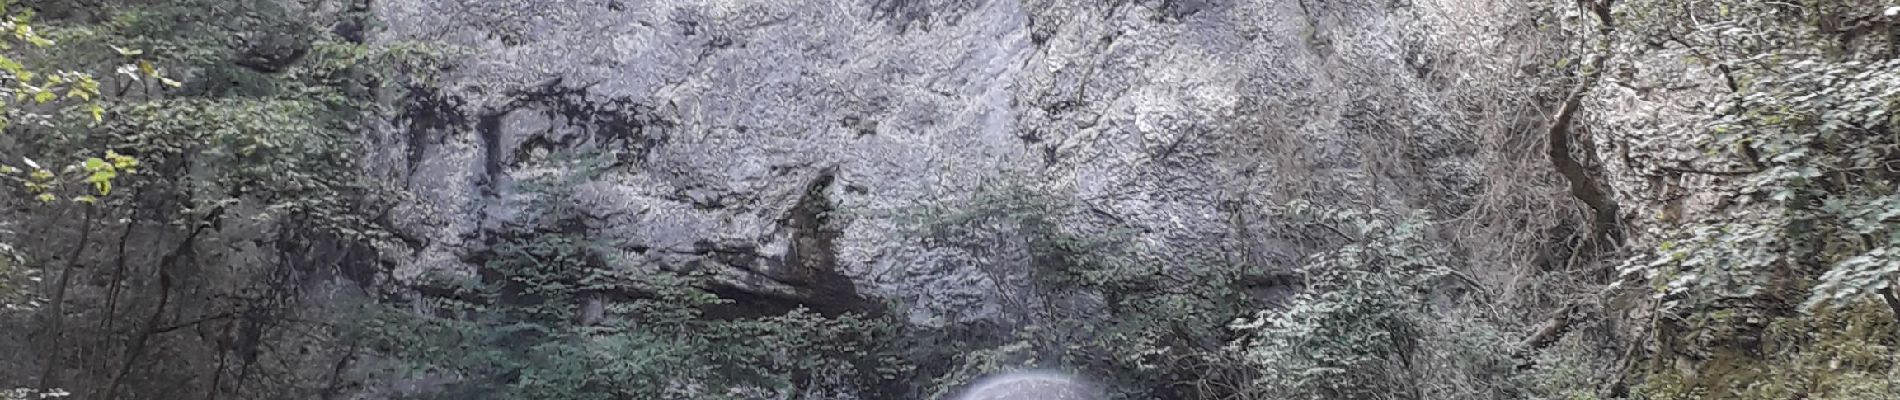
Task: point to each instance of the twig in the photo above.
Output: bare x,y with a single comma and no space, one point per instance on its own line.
1684,170
1335,230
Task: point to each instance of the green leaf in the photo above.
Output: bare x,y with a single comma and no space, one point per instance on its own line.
12,67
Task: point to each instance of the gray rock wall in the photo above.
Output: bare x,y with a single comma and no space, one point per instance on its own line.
765,140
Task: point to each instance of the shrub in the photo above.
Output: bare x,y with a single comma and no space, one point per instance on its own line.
1355,331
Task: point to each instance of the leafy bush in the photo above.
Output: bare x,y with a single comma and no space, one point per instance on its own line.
1835,353
1356,329
1088,300
522,330
1776,299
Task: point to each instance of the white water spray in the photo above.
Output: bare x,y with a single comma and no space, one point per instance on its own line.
1031,386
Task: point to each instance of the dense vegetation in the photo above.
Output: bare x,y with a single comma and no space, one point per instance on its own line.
1791,294
187,221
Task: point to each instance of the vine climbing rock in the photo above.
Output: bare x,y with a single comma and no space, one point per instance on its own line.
1031,386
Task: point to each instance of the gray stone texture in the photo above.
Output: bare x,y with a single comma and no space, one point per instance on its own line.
1183,119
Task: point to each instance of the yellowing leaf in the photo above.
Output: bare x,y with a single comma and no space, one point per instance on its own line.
98,113
170,82
122,162
127,52
45,96
47,197
12,67
88,199
146,68
88,85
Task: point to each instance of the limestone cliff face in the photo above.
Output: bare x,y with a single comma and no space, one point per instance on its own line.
1643,119
766,140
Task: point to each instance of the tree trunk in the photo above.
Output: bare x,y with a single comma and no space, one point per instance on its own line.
57,310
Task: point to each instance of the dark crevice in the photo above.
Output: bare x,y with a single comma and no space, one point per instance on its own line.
429,116
1605,230
923,14
814,255
810,266
859,127
1178,10
355,25
623,127
489,128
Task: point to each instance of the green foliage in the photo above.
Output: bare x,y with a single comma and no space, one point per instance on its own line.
284,143
975,364
1155,332
1835,353
1462,354
392,64
1765,303
659,349
1571,369
42,97
523,330
1825,130
1364,327
1355,330
165,131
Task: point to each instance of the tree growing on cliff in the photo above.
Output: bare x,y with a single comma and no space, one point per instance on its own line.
49,100
124,276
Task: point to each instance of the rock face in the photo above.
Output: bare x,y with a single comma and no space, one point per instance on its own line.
769,141
1644,118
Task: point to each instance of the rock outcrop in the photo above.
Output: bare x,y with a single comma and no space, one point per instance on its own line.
768,141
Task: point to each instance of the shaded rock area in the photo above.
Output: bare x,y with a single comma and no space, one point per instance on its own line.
766,142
